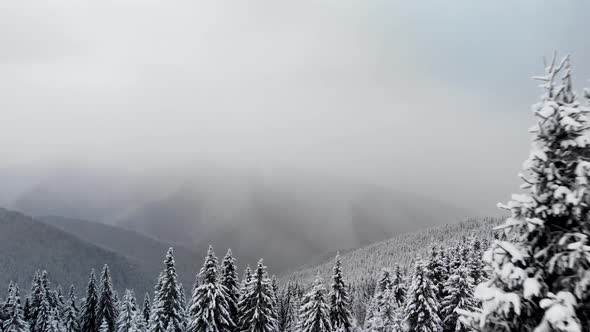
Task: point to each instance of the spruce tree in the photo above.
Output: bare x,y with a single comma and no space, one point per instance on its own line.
287,309
106,309
459,296
146,308
258,312
315,313
209,309
88,319
438,272
229,279
37,295
71,312
126,318
157,318
15,321
398,287
340,305
169,297
421,311
45,317
540,281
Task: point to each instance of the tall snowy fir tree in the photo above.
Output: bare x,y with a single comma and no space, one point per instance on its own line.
146,308
169,298
71,313
438,271
257,305
37,294
340,305
229,279
15,321
541,280
287,309
45,317
209,309
421,311
458,295
314,314
126,317
398,287
88,320
106,309
157,318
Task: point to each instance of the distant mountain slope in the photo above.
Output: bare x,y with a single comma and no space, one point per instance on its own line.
367,262
27,244
141,248
287,222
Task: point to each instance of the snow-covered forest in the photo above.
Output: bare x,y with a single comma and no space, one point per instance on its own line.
529,273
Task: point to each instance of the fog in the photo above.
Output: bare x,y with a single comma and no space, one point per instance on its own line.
432,98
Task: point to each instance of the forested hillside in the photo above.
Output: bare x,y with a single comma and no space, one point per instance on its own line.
402,250
140,248
28,245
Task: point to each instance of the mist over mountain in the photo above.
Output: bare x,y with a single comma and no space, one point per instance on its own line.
285,218
287,222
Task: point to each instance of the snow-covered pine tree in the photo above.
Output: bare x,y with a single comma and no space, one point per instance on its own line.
209,309
106,309
16,320
384,282
458,295
37,294
340,305
184,311
258,312
541,280
315,313
88,318
287,309
421,311
229,279
146,308
59,300
398,287
71,313
126,318
156,323
438,272
169,298
55,322
140,323
44,316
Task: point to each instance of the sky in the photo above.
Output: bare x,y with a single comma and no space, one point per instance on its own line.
420,96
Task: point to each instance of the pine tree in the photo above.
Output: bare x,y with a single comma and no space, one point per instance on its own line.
44,316
340,316
287,309
88,319
126,318
16,320
37,295
169,298
71,312
421,311
315,312
146,308
398,287
59,300
106,309
459,295
540,281
140,323
229,279
258,304
209,309
157,318
438,272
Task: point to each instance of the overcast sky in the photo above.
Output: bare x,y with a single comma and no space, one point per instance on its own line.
426,96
